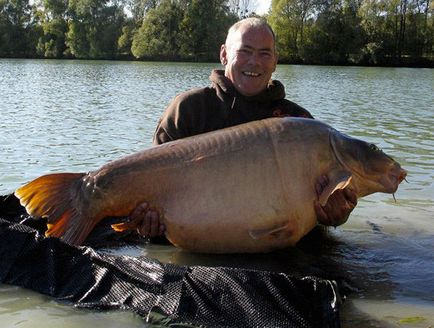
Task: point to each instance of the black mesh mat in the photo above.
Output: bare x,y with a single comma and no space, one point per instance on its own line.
167,294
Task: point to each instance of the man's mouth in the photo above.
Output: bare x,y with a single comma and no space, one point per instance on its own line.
251,74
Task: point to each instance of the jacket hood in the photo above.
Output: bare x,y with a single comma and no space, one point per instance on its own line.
274,91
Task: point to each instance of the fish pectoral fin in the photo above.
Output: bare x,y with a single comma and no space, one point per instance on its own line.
261,233
337,180
127,225
135,220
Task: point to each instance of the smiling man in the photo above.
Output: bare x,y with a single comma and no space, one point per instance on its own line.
243,92
249,57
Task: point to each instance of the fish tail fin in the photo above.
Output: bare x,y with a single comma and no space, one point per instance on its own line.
60,198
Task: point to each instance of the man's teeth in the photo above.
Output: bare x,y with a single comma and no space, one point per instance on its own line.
251,74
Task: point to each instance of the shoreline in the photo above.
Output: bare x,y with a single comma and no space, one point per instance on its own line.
424,64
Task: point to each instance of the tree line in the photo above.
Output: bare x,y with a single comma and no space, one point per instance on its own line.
371,32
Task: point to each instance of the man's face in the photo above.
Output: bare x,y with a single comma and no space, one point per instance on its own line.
250,59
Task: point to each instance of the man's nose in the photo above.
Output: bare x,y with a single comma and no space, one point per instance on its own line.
254,58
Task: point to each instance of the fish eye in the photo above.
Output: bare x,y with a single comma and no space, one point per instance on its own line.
374,147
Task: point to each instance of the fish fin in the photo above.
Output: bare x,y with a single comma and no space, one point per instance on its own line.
125,226
132,224
337,180
58,197
261,233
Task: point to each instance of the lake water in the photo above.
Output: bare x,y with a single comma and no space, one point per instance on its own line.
77,115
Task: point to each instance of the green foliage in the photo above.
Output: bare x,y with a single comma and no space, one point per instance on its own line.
204,29
77,39
17,32
336,36
384,32
94,29
289,19
52,43
158,37
56,8
399,29
125,41
353,31
191,30
139,8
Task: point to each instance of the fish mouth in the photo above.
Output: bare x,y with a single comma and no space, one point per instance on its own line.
400,176
394,178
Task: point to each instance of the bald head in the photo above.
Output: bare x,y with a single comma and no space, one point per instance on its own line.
251,22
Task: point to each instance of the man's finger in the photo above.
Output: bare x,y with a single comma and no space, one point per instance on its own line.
145,228
321,215
140,210
162,229
350,196
154,224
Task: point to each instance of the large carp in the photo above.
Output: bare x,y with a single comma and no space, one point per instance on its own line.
248,188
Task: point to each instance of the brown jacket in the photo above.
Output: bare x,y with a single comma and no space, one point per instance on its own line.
220,106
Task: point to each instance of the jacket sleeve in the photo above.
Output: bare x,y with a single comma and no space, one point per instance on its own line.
167,126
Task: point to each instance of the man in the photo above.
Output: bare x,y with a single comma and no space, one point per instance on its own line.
243,92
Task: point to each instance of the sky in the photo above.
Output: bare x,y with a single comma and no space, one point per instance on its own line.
263,6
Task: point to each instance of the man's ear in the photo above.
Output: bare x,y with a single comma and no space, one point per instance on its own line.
223,55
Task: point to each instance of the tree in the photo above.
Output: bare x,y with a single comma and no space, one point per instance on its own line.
139,8
159,34
125,41
94,28
76,39
53,21
312,31
17,29
242,8
204,29
380,21
288,19
336,35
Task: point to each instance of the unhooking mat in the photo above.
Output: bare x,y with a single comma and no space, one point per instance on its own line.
167,294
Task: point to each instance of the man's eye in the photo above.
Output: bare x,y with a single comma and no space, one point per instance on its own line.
244,51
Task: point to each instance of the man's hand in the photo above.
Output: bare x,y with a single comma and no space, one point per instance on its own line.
338,207
150,225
